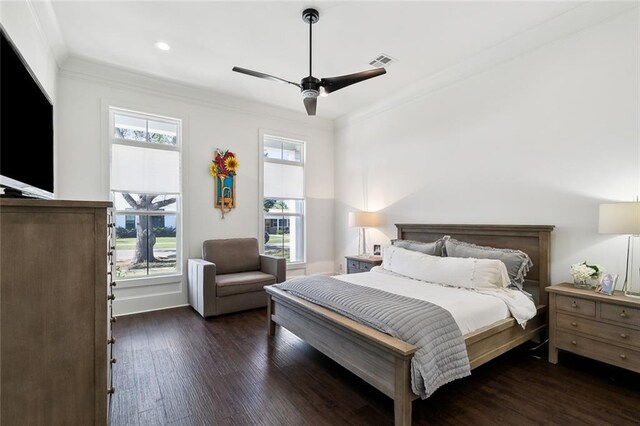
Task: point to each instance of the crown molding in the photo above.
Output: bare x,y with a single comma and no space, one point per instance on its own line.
49,29
581,17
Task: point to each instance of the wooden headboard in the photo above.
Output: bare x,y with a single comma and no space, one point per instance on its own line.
531,239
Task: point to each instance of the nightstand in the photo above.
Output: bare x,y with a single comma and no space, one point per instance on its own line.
605,328
357,264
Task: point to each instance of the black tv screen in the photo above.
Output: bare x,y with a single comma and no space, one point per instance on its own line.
26,126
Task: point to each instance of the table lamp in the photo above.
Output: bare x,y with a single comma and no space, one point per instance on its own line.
624,218
363,220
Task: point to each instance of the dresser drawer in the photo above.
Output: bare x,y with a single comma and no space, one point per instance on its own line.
606,352
576,305
613,333
619,313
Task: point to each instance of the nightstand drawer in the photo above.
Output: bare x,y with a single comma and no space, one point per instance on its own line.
613,333
606,352
621,314
358,264
576,305
366,267
353,265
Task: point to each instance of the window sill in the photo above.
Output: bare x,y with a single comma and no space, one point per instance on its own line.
148,281
297,265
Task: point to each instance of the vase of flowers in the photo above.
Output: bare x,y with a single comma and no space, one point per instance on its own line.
586,275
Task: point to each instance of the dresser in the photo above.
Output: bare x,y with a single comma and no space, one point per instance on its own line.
53,312
357,264
605,328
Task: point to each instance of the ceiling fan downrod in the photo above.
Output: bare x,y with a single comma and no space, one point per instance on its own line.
310,85
310,16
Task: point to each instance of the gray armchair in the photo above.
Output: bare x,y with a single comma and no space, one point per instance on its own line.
231,276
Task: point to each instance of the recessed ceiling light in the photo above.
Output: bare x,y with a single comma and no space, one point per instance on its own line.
163,46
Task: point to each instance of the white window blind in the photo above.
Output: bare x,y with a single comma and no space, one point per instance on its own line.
143,170
283,181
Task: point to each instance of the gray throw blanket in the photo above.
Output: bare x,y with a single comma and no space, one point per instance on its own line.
441,356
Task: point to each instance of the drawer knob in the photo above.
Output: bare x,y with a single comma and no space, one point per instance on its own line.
624,336
623,356
574,304
573,342
575,324
111,390
623,314
113,319
111,341
113,360
111,297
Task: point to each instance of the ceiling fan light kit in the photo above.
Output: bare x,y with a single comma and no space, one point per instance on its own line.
311,86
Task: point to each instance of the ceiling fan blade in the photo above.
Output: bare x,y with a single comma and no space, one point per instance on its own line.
332,84
263,75
310,105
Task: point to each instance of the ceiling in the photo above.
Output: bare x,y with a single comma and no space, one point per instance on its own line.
208,38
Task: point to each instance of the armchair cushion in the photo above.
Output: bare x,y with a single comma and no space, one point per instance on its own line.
242,282
232,255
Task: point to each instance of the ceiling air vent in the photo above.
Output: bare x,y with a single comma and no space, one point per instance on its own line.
382,61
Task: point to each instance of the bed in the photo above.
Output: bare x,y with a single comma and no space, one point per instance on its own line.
384,361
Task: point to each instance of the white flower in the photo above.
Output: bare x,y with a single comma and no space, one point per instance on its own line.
582,271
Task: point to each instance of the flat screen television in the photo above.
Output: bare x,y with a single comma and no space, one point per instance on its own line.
26,127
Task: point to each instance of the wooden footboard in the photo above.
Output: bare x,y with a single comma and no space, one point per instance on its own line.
379,359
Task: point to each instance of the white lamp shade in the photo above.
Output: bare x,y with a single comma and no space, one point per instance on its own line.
619,218
364,219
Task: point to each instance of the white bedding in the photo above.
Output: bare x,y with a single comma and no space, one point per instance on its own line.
471,309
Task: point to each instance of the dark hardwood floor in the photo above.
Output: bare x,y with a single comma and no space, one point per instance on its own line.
175,368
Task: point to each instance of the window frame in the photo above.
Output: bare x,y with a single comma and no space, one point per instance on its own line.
299,139
161,278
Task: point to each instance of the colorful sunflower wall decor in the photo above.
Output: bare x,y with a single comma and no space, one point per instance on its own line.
223,167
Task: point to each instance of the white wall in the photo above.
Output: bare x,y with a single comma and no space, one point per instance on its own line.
541,139
210,121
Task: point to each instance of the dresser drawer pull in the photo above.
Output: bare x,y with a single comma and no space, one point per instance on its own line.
574,304
623,314
111,390
575,324
624,336
111,341
573,342
623,356
113,360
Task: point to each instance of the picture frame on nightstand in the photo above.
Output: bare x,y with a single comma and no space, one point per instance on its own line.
607,284
377,249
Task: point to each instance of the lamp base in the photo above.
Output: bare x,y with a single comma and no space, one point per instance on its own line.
631,285
362,243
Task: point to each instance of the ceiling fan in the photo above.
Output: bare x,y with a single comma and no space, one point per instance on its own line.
310,86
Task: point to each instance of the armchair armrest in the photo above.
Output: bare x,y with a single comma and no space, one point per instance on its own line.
202,286
275,266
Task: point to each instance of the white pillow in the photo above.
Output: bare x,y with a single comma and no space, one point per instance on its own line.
454,271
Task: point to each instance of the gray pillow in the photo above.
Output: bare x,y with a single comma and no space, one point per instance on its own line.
516,261
434,249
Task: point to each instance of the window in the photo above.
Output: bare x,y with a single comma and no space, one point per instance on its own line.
283,198
145,190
